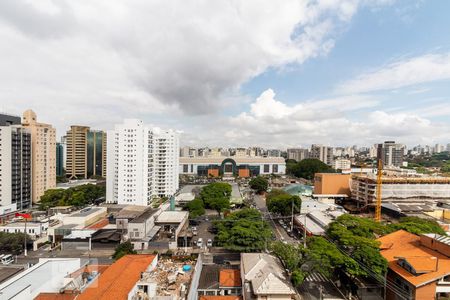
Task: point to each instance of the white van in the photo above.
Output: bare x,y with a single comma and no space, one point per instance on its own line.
7,259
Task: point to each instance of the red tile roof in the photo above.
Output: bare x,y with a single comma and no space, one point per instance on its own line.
404,245
98,225
116,282
230,278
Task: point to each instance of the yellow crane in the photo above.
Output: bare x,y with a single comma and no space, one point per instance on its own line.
379,185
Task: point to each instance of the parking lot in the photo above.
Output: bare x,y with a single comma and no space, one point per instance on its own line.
205,222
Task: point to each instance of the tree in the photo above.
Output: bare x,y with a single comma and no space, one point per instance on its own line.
123,249
292,256
195,208
78,196
297,277
12,243
417,225
243,231
259,184
280,202
356,236
306,168
216,196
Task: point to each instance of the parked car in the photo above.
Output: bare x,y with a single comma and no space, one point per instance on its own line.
194,231
213,229
209,243
200,242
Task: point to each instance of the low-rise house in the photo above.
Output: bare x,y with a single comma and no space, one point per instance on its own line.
316,222
33,229
121,280
419,265
263,277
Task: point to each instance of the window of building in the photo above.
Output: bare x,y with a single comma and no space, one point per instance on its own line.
275,169
185,168
266,168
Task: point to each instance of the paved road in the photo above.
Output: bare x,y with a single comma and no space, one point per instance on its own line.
279,231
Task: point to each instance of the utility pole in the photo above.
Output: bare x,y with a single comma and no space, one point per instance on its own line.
25,240
292,217
304,233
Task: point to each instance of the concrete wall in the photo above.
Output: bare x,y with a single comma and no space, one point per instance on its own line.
330,183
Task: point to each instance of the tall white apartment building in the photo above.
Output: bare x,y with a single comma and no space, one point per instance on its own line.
142,162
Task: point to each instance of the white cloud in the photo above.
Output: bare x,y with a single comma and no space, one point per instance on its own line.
96,62
337,121
401,73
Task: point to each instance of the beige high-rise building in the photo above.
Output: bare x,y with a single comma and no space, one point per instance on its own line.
86,152
43,157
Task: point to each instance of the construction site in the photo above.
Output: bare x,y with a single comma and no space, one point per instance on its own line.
400,189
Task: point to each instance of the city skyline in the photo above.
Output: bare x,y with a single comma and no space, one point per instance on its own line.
333,72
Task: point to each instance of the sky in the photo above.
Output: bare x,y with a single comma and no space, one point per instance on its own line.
269,73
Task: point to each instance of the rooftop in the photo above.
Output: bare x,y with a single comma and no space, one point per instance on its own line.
230,278
117,281
7,272
131,211
220,297
144,216
429,264
86,212
172,216
238,159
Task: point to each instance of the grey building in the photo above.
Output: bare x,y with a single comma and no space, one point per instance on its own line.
15,163
297,154
322,153
391,153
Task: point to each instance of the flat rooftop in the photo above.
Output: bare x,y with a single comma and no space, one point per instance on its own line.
172,216
131,212
237,159
144,216
86,212
22,224
7,272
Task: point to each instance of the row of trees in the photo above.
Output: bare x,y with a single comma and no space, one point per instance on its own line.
214,196
306,168
243,231
280,202
78,196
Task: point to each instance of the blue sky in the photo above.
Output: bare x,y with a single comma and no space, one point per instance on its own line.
234,72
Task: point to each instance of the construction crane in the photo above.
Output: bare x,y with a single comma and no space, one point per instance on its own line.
379,185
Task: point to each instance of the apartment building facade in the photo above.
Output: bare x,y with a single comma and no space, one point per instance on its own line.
297,154
15,163
322,153
86,152
141,163
391,153
43,146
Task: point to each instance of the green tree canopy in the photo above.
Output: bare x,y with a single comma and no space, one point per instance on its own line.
216,196
292,255
123,249
306,168
417,225
195,208
12,243
78,196
259,184
243,231
280,202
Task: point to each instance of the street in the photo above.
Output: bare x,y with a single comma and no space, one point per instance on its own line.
279,231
